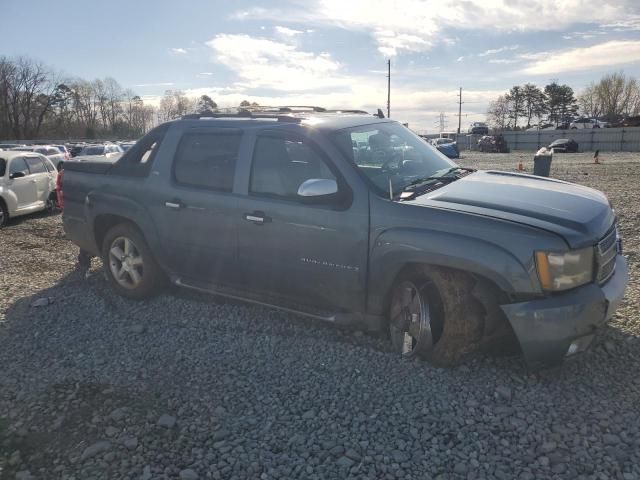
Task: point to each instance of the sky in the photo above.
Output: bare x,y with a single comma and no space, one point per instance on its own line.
331,53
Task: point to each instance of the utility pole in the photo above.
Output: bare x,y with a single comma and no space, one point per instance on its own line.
389,89
459,110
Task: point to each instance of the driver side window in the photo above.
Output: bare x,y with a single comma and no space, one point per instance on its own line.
18,165
280,165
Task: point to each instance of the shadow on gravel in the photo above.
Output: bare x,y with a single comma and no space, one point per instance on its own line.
612,350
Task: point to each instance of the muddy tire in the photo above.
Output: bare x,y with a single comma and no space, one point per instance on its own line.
434,315
129,264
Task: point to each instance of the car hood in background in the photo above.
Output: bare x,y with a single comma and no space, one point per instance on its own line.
581,215
97,158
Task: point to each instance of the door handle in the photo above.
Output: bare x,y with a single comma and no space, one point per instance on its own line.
259,218
175,204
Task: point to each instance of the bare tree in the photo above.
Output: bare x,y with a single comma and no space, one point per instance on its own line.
619,96
498,113
175,104
589,101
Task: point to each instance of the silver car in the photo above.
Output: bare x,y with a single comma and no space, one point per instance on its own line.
27,184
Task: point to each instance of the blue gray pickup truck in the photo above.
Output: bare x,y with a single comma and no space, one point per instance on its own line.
352,218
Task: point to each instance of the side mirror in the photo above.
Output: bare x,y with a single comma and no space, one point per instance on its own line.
318,190
17,175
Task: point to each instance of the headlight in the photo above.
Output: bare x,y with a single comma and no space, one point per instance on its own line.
562,271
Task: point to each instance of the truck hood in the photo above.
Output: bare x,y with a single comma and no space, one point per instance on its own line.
581,215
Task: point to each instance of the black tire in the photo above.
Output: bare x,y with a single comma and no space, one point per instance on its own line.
456,317
84,259
51,206
4,214
151,276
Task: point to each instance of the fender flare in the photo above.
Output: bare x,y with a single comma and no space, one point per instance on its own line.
394,249
98,204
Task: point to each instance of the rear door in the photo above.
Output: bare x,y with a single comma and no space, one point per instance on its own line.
24,187
307,254
198,217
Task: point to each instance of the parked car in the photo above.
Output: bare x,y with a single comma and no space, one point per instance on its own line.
9,146
446,146
27,181
625,122
541,126
106,151
582,123
49,151
564,145
126,146
297,214
64,151
478,128
493,144
76,149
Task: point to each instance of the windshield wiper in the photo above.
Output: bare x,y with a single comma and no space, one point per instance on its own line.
433,181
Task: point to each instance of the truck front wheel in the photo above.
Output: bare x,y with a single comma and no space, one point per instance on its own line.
131,269
433,314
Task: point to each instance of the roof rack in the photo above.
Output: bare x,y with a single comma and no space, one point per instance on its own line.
282,113
241,114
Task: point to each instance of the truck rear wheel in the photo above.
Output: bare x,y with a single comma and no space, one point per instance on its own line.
433,314
131,269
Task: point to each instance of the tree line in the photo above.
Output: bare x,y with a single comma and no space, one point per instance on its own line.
612,98
37,102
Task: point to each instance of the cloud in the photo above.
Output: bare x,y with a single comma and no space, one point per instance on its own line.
288,32
178,51
263,63
417,25
493,51
205,74
504,61
606,54
143,85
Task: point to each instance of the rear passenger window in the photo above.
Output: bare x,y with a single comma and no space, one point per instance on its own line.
35,165
207,160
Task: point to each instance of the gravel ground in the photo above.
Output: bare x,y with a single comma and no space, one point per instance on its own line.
93,386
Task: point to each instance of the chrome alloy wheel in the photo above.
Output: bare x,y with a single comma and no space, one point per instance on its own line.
125,263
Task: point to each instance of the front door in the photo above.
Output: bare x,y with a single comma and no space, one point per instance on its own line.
24,188
197,215
308,254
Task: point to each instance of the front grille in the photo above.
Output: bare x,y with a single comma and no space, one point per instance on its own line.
606,252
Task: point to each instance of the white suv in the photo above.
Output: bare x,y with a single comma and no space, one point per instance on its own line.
587,123
27,184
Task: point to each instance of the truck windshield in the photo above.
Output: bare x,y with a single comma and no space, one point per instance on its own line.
390,156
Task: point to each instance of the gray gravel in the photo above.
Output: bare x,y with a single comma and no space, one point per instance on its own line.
93,386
